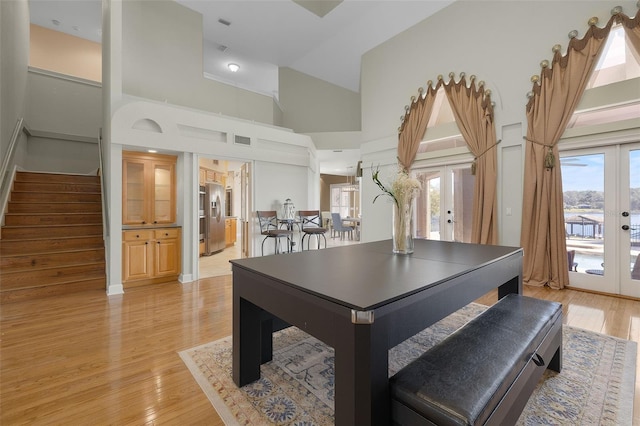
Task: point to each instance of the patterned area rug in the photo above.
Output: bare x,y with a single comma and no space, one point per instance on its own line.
595,387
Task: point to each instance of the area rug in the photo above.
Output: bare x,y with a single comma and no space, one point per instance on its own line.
595,387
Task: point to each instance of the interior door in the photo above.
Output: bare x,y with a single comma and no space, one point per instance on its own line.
444,207
601,188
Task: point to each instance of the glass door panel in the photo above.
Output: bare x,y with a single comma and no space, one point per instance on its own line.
444,208
629,228
601,189
428,206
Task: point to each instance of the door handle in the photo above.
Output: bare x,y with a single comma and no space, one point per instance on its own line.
625,227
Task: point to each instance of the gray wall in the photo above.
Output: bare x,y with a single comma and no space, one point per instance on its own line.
162,60
14,54
312,105
64,106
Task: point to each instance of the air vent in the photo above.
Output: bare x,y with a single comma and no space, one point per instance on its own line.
221,47
224,22
243,140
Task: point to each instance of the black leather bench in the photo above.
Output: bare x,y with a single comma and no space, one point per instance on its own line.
485,372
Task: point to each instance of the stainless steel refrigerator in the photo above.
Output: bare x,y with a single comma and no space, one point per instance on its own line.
214,196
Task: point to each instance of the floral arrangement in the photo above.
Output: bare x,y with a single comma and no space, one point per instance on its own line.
402,189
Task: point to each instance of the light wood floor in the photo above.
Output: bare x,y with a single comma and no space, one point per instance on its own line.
91,359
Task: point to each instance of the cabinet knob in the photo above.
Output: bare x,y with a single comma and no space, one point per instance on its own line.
146,242
144,223
155,221
166,234
137,236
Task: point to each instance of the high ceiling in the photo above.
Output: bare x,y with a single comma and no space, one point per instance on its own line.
262,35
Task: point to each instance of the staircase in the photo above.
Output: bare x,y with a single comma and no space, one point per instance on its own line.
52,241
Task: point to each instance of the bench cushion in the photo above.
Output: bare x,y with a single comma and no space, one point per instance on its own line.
463,378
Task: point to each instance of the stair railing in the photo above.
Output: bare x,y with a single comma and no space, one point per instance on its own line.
6,171
103,185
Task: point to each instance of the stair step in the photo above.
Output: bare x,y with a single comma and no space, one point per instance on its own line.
52,240
25,219
67,197
45,245
51,207
51,276
35,232
29,262
55,177
93,284
56,187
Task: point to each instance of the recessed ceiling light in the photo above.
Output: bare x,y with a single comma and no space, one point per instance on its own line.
234,67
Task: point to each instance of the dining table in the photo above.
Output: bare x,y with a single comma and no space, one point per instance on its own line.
362,300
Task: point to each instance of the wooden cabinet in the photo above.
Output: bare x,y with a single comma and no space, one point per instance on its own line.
150,256
148,189
230,230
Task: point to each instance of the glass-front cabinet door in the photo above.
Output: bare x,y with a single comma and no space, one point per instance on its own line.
163,193
133,192
148,189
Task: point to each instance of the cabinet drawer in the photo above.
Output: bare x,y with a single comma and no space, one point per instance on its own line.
167,233
137,235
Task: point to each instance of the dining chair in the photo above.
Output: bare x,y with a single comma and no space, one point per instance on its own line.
339,227
573,266
311,225
268,220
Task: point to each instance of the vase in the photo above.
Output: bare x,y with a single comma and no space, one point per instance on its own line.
403,227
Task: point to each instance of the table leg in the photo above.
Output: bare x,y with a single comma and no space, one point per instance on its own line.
361,377
514,285
246,341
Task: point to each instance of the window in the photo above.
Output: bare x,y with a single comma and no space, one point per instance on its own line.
612,93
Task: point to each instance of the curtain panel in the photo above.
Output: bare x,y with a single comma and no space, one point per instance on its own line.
554,99
414,125
473,112
474,115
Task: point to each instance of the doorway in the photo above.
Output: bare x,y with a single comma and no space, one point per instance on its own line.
444,207
230,177
601,189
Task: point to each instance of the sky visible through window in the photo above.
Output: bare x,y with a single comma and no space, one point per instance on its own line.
583,173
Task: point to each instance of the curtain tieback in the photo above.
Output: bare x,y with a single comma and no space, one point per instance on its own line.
475,159
550,158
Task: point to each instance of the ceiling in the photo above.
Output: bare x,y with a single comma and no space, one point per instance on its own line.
263,35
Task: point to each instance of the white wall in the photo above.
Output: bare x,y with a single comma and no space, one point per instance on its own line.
284,166
500,42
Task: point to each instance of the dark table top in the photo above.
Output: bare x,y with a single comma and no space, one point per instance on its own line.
367,276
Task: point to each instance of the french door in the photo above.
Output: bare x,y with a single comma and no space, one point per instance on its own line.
601,189
444,207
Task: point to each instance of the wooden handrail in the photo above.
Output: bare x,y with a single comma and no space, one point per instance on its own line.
105,201
6,161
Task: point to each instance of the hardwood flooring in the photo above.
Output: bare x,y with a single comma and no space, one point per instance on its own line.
92,359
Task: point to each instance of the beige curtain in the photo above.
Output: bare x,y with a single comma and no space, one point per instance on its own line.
548,111
631,28
414,126
474,116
